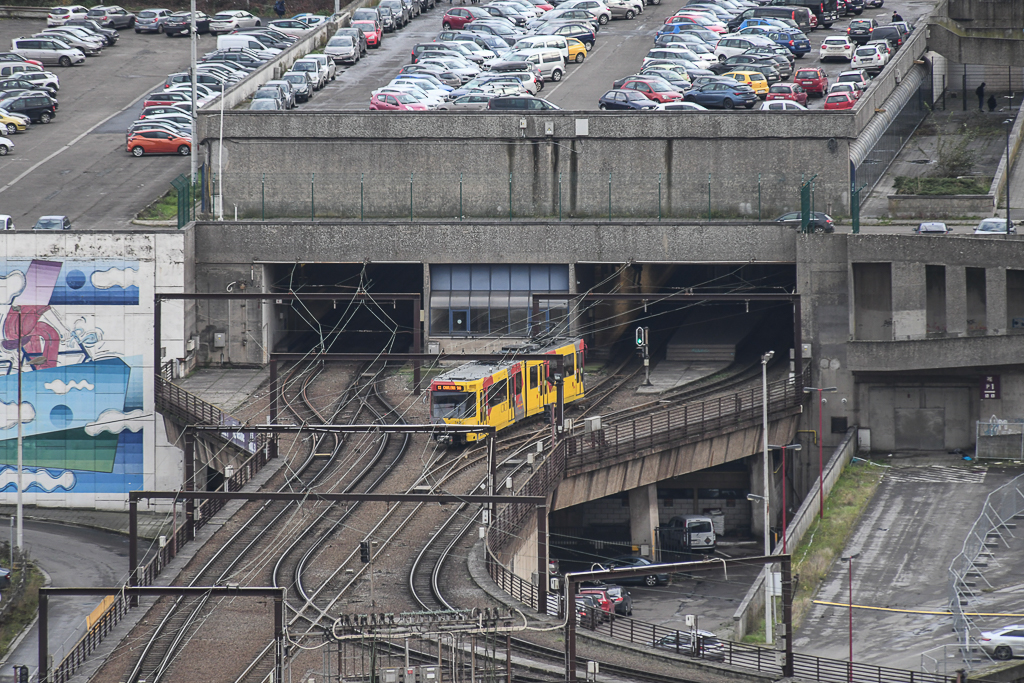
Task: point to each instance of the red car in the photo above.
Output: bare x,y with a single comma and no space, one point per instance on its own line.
395,102
788,91
168,98
813,80
372,29
840,100
653,90
457,17
158,142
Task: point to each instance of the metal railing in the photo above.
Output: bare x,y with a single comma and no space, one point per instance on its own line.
672,426
1001,505
78,655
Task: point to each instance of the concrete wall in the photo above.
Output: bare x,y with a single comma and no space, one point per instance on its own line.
358,163
933,207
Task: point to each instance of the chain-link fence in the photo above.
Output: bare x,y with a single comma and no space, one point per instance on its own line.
1000,439
1001,506
390,193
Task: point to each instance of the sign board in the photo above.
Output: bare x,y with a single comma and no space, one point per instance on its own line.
990,387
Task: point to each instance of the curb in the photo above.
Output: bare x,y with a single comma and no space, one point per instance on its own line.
155,224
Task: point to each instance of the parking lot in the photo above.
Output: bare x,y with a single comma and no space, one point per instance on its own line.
619,51
77,164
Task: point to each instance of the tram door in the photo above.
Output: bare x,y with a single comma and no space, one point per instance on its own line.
518,393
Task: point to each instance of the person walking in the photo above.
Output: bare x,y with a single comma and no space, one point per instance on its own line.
279,9
980,92
896,16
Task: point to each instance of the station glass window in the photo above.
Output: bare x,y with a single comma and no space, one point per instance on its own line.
479,300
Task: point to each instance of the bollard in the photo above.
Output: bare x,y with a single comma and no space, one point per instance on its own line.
361,204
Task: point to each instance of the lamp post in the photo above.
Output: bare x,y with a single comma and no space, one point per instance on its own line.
849,560
767,497
821,457
1006,174
787,447
20,536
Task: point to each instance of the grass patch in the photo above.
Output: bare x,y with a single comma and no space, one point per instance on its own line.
943,186
827,538
163,209
24,611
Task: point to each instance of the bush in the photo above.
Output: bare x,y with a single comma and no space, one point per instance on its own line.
943,186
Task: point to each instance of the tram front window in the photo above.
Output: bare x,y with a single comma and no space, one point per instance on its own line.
453,405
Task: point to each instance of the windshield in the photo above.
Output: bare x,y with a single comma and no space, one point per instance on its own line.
994,225
453,404
343,41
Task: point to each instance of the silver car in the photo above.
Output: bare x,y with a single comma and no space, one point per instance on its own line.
994,226
473,101
342,49
151,20
1004,643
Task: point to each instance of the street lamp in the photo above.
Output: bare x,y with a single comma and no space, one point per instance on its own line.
787,447
18,351
1006,174
767,498
849,560
821,438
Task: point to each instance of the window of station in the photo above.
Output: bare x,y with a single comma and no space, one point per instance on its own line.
477,300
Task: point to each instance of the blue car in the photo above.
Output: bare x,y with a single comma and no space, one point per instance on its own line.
795,41
582,33
722,95
425,77
625,99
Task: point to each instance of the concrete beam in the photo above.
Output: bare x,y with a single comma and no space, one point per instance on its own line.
993,46
933,354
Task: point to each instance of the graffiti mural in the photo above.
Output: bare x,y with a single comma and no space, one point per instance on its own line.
69,331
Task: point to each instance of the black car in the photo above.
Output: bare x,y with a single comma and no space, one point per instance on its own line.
658,579
301,84
9,84
860,30
180,23
38,106
110,36
890,33
819,222
743,60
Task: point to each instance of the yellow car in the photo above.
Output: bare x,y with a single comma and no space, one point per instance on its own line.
577,50
11,124
755,80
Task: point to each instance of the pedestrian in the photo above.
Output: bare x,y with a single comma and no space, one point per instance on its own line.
991,102
896,16
980,92
279,9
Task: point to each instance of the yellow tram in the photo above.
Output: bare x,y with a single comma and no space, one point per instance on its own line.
505,391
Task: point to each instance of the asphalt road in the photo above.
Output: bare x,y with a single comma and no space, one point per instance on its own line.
621,46
72,556
908,535
77,165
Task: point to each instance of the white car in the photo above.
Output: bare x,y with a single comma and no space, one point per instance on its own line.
1003,643
89,46
5,146
732,45
680,106
325,63
313,67
678,54
782,105
836,47
994,226
292,27
870,58
429,100
58,16
229,20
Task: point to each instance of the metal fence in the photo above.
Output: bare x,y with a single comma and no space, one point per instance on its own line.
1000,439
1001,506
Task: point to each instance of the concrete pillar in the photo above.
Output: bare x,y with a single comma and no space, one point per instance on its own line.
643,514
956,301
995,300
909,300
574,305
756,464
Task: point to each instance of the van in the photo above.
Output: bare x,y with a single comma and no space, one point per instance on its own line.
519,103
243,40
688,533
553,42
803,17
549,62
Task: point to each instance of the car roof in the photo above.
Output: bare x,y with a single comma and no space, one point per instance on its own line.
53,217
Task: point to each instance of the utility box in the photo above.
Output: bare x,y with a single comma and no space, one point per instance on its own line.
591,424
430,673
410,675
220,340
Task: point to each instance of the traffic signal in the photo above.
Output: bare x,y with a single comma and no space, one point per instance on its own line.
21,673
364,551
641,336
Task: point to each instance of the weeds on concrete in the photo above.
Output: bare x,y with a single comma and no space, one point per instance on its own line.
24,610
163,209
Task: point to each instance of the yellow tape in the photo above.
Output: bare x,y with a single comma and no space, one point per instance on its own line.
914,611
101,608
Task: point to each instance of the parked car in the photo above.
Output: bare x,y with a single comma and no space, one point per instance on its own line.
819,222
813,80
1003,643
230,20
782,105
13,123
39,107
342,49
932,228
870,58
706,645
722,95
836,47
680,106
166,96
848,88
755,80
860,30
857,77
265,105
112,16
58,16
5,146
658,579
395,102
47,50
520,103
6,223
302,84
625,99
90,46
292,27
18,84
158,142
109,34
787,91
988,226
52,223
373,31
180,23
621,601
151,20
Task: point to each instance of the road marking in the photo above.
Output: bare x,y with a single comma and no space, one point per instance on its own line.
946,613
36,165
